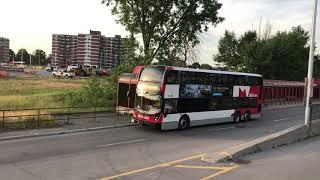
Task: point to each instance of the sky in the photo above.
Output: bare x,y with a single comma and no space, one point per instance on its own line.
30,24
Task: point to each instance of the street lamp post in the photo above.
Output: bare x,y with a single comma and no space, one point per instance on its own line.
39,54
30,61
311,60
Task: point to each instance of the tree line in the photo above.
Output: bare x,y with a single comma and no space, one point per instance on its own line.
38,57
281,56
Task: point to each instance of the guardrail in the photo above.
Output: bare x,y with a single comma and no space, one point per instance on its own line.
315,112
55,117
13,69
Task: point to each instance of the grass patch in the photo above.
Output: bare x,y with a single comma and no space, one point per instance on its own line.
36,93
26,119
31,125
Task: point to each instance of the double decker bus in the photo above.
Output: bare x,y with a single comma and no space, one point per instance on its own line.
178,98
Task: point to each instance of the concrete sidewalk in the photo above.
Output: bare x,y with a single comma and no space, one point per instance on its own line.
294,162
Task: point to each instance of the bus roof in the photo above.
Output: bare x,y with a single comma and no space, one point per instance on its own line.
213,71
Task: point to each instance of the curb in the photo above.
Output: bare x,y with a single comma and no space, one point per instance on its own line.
281,138
62,132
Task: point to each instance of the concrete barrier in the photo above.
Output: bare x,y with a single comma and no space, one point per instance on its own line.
284,137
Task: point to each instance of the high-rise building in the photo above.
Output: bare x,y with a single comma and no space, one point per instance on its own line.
88,51
64,49
112,51
4,50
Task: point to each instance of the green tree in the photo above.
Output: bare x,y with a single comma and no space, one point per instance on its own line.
205,66
23,55
132,46
188,50
48,60
39,57
195,65
228,55
163,24
169,56
12,55
282,56
290,52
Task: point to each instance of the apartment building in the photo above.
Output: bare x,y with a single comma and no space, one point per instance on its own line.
112,51
91,49
4,50
88,51
64,49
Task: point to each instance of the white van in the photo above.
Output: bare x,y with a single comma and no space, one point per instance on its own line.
73,66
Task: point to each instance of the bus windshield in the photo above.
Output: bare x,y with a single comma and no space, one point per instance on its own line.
148,90
152,74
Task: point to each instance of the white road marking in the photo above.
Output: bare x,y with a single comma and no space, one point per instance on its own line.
120,143
278,120
219,129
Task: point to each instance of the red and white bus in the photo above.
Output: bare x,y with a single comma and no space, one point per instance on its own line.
178,98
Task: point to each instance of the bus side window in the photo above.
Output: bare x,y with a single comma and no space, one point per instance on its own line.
184,78
172,77
260,80
240,80
226,80
213,79
254,81
170,106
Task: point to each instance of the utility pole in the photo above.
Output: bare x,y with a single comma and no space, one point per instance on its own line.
22,52
100,59
311,61
30,62
39,54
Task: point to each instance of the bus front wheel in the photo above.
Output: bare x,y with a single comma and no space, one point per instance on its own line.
184,123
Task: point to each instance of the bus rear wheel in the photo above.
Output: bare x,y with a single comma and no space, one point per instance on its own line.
247,116
237,117
184,123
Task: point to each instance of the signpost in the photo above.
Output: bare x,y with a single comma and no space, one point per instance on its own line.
311,61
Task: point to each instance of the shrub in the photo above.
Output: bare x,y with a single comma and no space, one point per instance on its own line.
96,92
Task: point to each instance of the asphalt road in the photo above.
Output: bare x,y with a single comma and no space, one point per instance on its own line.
105,153
294,162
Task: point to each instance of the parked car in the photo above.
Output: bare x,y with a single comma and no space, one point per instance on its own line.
80,72
51,68
63,73
102,72
73,66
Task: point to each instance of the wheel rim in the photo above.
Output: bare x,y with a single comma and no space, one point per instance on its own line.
183,123
247,116
237,118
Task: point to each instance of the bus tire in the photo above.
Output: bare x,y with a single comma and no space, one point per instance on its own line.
237,117
247,116
184,122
